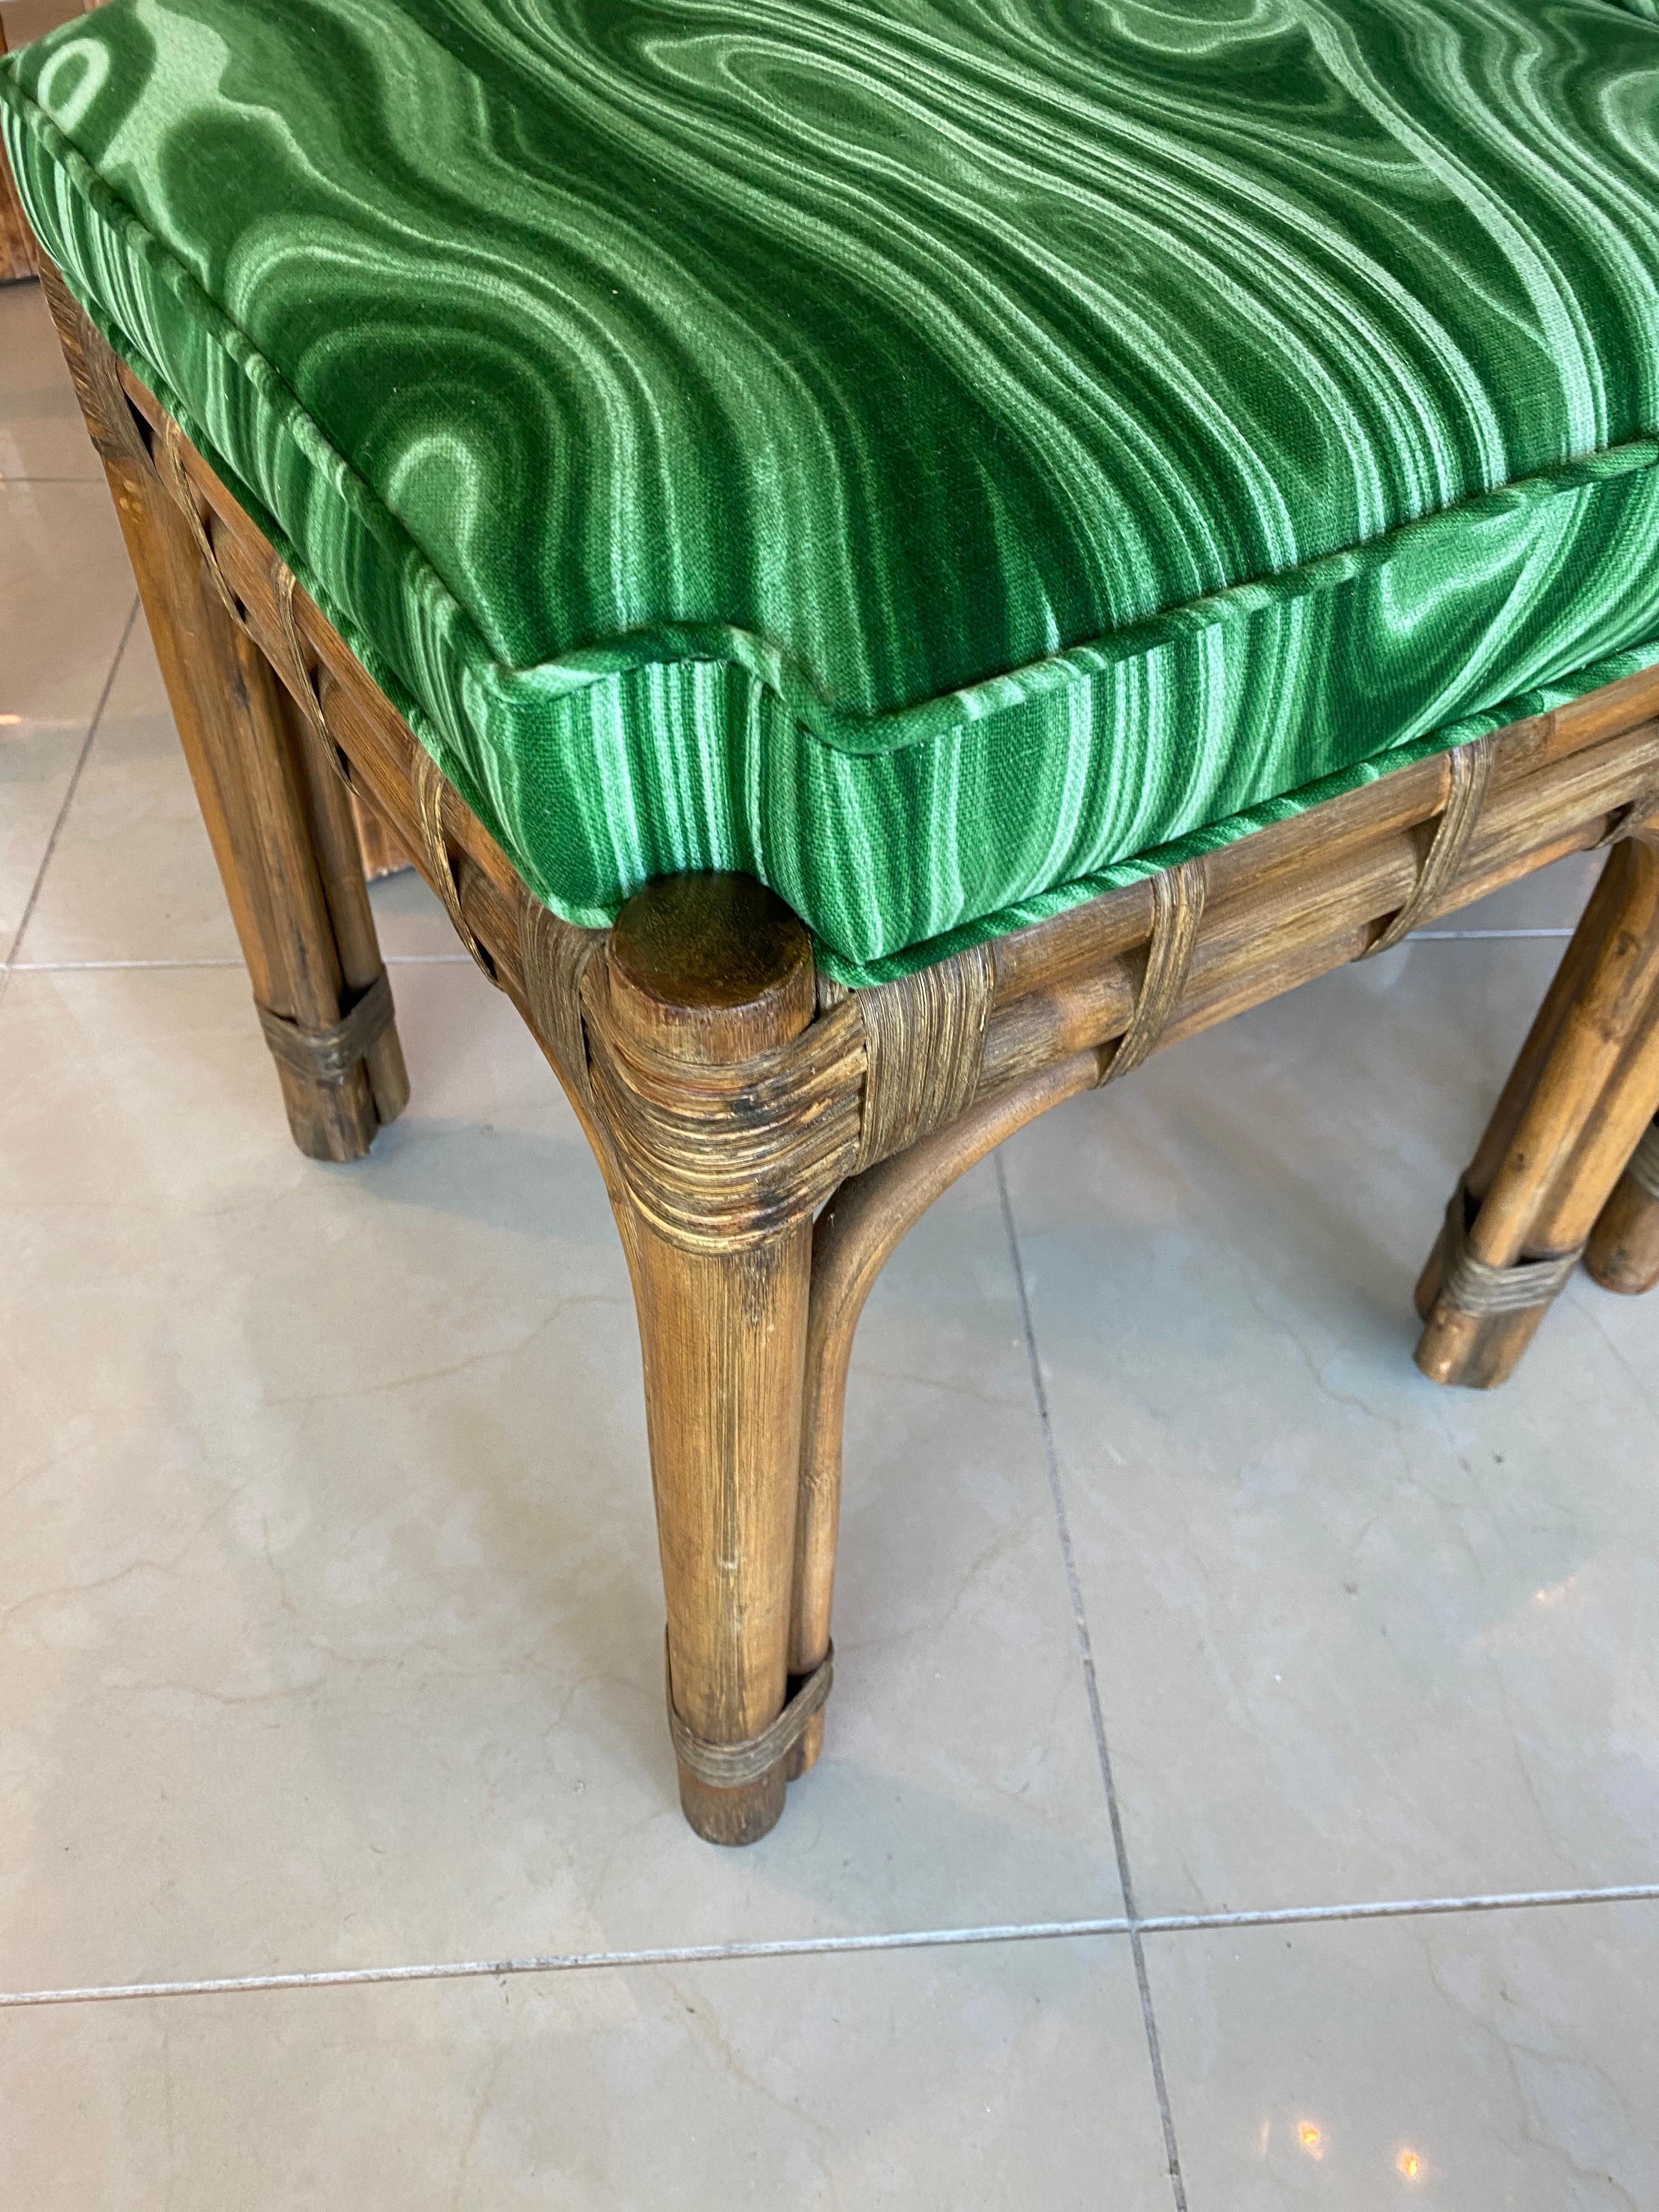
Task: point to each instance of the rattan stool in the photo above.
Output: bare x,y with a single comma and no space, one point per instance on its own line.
768,1136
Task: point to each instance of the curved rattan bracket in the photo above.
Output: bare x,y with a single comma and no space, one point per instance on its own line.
732,1765
1469,767
328,1056
1475,1286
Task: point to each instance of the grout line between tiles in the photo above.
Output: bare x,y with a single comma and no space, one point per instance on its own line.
1085,1652
1400,1908
73,785
812,1946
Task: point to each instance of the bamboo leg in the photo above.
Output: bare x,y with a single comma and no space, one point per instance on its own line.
1623,1252
281,837
1586,1084
333,815
699,976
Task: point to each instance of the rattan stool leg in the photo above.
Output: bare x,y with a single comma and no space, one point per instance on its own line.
1584,1086
702,977
1623,1252
279,824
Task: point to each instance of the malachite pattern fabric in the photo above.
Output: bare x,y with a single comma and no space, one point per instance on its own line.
943,457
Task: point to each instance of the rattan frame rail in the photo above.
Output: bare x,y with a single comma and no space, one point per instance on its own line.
767,1137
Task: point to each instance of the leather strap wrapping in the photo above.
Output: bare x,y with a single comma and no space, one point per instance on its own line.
328,1056
1475,1286
924,1045
1470,769
730,1765
1177,910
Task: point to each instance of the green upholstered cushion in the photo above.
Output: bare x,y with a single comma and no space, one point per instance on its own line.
943,457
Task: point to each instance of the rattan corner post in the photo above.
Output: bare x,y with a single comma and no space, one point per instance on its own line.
767,1137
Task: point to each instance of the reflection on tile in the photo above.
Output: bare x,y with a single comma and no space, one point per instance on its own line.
1003,2074
1471,2063
65,592
133,875
41,432
329,1591
1358,1636
37,761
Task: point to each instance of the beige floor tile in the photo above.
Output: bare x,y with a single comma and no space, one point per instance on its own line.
328,1587
1358,1636
1494,2062
41,432
410,918
65,593
987,2076
132,876
37,762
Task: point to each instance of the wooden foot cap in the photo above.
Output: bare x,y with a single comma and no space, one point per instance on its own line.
1474,1351
733,1816
732,1793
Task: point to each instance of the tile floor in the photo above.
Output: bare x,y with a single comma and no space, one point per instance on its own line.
1243,1788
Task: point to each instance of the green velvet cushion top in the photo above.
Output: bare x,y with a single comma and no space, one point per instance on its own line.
943,457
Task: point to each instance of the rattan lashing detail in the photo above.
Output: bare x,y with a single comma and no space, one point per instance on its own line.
1469,768
924,1045
328,1056
730,1765
1177,909
427,784
904,1061
717,1157
1475,1286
